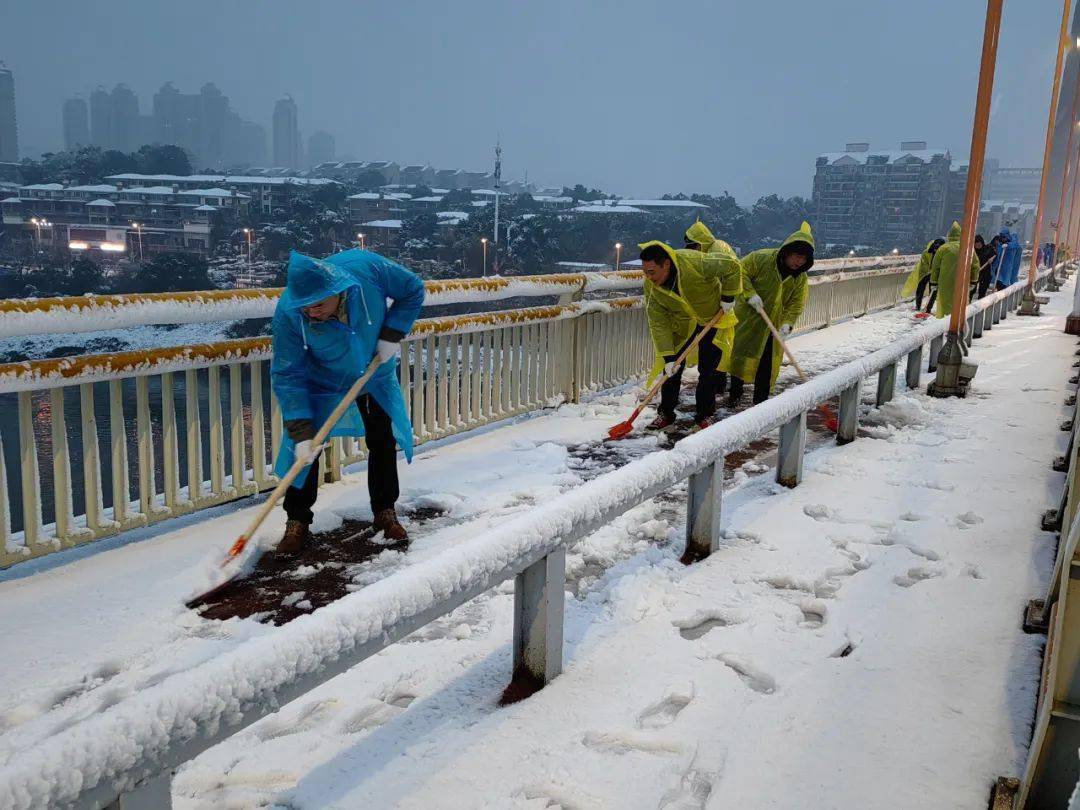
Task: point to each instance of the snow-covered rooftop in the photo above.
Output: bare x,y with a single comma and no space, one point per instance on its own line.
44,187
217,178
102,203
383,223
375,195
608,209
891,155
451,214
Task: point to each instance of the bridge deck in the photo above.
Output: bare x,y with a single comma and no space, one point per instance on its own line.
868,617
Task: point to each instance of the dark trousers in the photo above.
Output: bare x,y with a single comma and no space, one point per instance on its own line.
708,378
984,284
762,378
932,301
382,479
920,291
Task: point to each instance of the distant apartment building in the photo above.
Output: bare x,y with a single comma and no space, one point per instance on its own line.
76,121
881,197
1018,217
201,123
115,220
286,134
1021,185
9,131
266,194
321,148
375,205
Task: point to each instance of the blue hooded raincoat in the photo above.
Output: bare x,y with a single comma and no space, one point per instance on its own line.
1007,266
315,363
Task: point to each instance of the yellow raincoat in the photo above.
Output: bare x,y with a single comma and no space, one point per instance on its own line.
702,278
922,269
783,299
943,271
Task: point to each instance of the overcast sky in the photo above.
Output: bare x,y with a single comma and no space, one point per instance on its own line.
636,97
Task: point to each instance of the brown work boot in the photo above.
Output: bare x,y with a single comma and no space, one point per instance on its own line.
386,521
294,539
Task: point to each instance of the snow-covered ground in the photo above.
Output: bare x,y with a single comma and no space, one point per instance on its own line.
855,642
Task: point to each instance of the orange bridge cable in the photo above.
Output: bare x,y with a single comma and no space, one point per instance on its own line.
1051,118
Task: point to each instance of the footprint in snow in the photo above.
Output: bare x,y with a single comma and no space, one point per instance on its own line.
968,520
99,677
702,622
915,576
309,716
814,612
695,787
379,712
664,711
623,742
760,681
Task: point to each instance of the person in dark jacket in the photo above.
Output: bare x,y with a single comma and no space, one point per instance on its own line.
985,253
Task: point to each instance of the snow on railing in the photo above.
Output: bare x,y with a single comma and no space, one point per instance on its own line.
129,749
457,372
23,317
91,313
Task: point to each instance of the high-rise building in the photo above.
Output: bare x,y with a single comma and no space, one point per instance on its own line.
245,142
286,134
890,198
101,118
9,131
76,123
320,148
214,112
125,119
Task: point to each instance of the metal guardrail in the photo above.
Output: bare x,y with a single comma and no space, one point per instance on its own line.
1052,770
153,732
181,438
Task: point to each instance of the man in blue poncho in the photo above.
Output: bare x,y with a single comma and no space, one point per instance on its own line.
330,322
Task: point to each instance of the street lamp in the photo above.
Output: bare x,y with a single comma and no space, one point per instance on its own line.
360,239
247,234
37,225
896,251
483,241
618,255
138,232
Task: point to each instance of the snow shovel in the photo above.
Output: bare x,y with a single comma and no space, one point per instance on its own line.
237,548
831,422
623,429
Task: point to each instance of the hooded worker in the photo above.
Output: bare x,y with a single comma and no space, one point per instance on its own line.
775,280
684,291
329,324
919,278
943,271
1009,253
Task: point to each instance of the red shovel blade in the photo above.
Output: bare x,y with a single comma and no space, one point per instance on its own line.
922,314
621,430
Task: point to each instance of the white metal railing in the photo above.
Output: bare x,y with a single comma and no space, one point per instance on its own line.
194,426
156,730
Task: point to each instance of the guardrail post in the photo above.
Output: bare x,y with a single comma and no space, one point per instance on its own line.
848,420
704,496
886,384
935,350
977,321
995,312
789,455
153,794
579,337
913,377
1003,308
539,594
